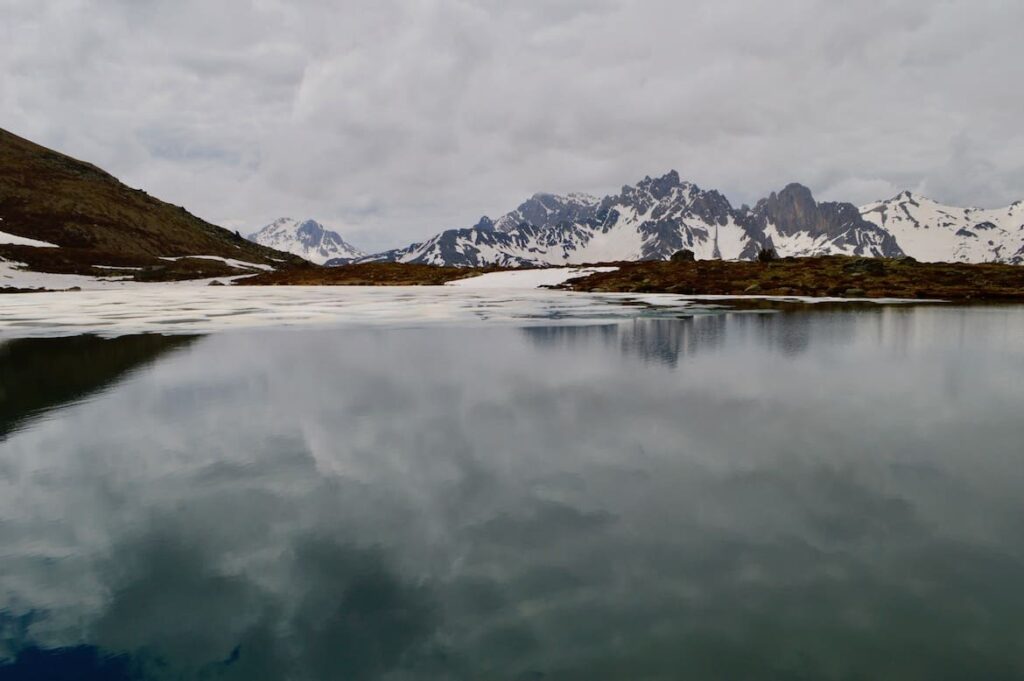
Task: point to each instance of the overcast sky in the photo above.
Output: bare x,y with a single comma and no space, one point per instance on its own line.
394,119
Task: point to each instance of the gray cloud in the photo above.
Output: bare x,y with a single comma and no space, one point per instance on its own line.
398,118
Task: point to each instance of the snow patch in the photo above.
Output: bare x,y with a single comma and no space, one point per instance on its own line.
15,240
520,279
16,275
242,264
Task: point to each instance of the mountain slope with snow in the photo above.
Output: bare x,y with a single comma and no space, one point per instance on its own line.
62,215
306,238
794,224
548,210
651,221
933,232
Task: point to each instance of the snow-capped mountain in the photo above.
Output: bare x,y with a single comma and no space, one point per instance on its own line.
930,231
795,224
651,221
548,210
307,238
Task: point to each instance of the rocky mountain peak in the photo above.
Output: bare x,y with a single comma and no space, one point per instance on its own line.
310,230
307,238
794,209
794,199
657,187
660,187
548,210
907,196
794,206
484,224
793,213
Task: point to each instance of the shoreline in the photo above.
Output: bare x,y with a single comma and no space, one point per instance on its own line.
821,279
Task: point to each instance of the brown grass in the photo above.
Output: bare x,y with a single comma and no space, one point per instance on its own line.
821,276
98,220
364,274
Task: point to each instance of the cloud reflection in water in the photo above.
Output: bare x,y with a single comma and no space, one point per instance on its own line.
825,495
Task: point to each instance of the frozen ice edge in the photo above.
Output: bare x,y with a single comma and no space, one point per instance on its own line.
177,309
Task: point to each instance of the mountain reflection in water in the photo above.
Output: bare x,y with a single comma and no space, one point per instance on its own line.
821,495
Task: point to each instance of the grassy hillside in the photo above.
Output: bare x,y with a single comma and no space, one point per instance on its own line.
839,276
96,219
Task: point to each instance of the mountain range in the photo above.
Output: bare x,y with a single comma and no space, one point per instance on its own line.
308,239
62,215
932,232
659,216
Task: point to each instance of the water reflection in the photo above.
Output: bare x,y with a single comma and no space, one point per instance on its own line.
655,340
40,374
665,341
823,496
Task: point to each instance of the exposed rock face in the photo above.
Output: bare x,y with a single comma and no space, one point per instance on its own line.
548,210
794,224
650,221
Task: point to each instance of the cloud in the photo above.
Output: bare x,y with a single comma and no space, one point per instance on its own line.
395,119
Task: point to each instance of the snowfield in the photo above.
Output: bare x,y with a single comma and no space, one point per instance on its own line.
934,232
527,279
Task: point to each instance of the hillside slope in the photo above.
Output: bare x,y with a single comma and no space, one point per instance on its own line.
94,219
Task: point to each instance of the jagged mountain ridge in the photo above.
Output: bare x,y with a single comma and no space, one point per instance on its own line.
651,221
306,238
930,231
794,224
548,210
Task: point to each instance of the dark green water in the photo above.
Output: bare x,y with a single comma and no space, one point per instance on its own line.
833,495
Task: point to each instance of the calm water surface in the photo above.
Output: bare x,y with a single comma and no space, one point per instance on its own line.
820,494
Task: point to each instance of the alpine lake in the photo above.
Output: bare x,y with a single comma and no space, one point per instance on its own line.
614,490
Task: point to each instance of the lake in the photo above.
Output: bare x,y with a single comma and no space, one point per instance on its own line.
828,493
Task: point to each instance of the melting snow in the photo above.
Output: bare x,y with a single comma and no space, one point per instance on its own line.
227,261
527,278
191,308
16,240
14,275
